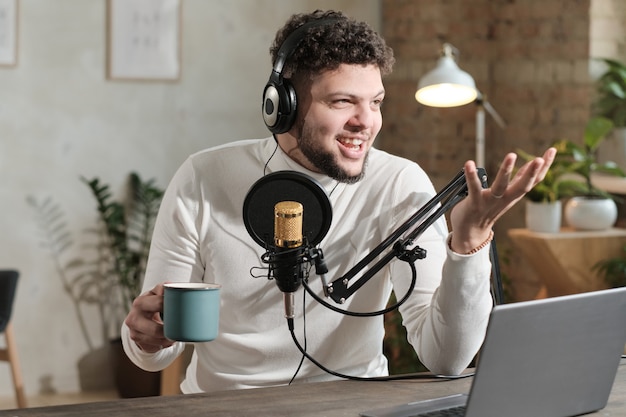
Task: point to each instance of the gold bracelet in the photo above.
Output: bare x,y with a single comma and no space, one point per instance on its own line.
477,248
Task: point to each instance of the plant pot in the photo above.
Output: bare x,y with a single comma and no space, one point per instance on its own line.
543,217
591,213
94,369
131,381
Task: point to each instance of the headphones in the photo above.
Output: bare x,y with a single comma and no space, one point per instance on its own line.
279,96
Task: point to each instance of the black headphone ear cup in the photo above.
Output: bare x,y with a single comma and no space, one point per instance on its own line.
279,97
279,106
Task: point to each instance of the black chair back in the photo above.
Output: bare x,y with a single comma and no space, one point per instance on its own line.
8,284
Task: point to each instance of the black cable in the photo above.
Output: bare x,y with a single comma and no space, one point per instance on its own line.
372,313
305,354
305,340
496,275
271,156
377,378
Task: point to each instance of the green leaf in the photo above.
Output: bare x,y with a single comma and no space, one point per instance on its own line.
595,132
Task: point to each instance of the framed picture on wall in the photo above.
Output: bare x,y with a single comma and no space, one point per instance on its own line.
143,39
8,32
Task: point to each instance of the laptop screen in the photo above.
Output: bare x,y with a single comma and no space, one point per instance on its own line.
551,357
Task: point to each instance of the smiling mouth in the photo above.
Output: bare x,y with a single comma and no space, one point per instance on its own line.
351,143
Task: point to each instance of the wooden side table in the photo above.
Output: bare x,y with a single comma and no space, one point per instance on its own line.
564,261
171,377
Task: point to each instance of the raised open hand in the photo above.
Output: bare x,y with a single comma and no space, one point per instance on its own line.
473,218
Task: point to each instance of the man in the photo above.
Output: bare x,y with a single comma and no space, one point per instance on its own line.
335,67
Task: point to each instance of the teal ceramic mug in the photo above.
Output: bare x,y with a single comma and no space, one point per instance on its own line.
191,311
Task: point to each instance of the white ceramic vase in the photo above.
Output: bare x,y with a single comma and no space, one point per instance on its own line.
543,217
584,213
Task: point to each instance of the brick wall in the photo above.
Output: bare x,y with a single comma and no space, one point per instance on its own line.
529,57
608,29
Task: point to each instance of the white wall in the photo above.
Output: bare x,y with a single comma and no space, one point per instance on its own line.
61,119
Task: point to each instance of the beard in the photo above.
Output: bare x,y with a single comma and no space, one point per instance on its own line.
323,160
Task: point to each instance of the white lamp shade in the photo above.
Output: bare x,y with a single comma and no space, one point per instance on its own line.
446,85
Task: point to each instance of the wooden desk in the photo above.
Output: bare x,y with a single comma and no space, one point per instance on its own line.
329,399
564,261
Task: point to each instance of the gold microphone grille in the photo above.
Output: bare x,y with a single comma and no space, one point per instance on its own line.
288,224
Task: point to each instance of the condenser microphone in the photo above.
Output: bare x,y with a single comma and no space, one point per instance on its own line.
280,228
287,263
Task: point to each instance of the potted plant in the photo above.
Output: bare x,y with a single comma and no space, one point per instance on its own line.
610,102
592,208
107,272
611,93
613,270
126,232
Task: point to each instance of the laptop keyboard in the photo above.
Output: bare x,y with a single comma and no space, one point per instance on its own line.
446,412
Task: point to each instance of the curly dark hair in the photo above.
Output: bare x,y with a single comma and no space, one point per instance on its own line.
325,47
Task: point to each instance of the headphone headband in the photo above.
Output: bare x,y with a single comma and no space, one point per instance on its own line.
290,44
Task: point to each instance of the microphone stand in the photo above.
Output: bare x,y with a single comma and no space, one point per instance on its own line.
339,290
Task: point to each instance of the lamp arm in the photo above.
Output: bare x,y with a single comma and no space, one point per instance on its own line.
481,100
456,190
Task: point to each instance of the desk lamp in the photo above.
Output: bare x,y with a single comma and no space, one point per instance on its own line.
449,86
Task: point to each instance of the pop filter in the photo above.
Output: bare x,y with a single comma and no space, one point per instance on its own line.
258,206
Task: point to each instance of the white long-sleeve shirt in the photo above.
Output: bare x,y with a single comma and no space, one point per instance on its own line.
200,236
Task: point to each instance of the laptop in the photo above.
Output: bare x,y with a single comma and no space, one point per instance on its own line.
551,357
